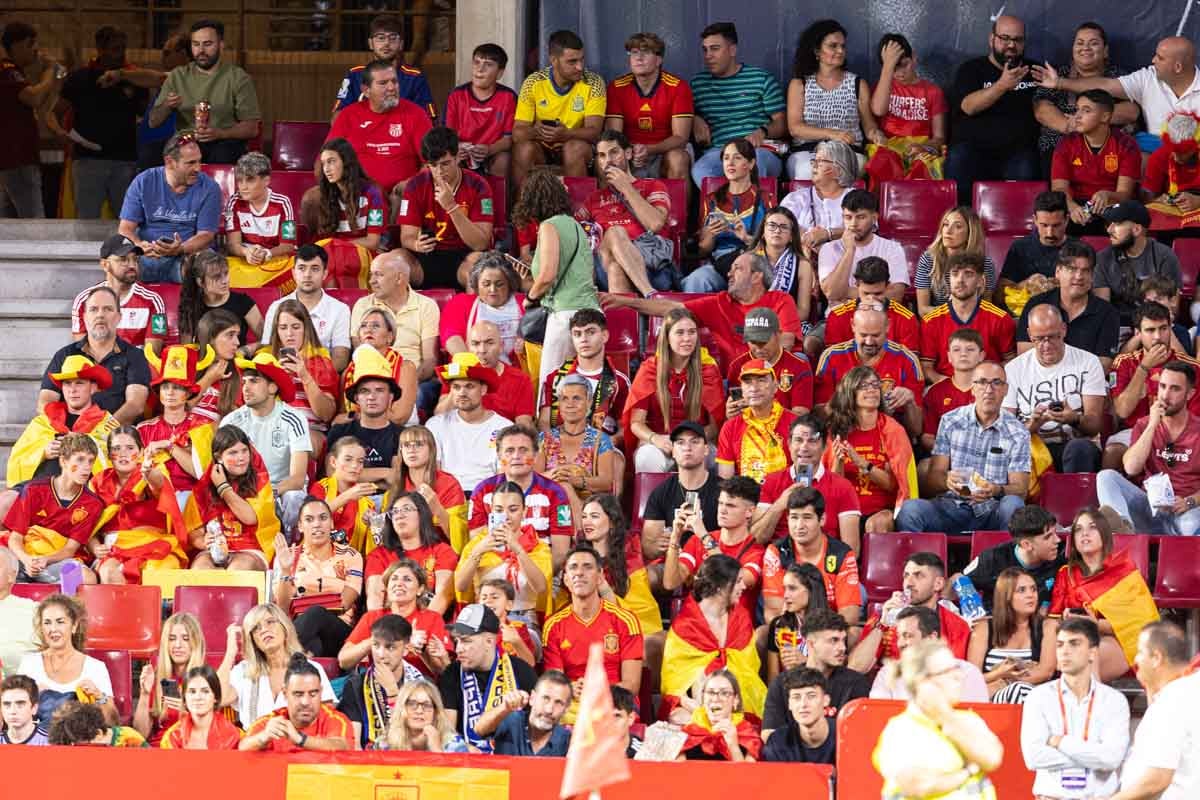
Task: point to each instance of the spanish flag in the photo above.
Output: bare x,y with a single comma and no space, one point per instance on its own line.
700,734
1119,594
274,272
596,755
645,384
692,652
349,263
28,451
150,530
201,507
349,517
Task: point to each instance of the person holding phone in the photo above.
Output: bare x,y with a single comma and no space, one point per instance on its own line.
181,648
201,726
1014,648
409,532
294,343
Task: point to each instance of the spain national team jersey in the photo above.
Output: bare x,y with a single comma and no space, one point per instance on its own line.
412,84
895,366
547,507
647,117
37,504
1088,172
941,398
869,445
792,373
143,314
1126,365
747,552
269,226
756,448
991,322
607,208
541,100
839,569
420,208
903,325
371,216
567,639
389,144
481,121
329,724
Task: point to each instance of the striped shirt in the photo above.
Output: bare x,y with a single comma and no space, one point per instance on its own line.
143,314
738,104
993,452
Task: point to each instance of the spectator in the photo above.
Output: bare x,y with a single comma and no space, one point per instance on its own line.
960,232
493,295
305,722
350,237
911,111
513,398
409,532
893,365
778,239
219,388
807,543
626,713
719,729
1171,175
871,275
445,215
994,126
16,616
420,722
603,527
793,376
420,471
277,431
260,226
610,387
916,623
482,111
581,458
374,390
818,207
484,678
202,727
205,287
1161,442
733,100
826,101
466,434
1097,165
21,725
219,98
1131,258
370,697
560,111
825,633
351,499
809,736
394,397
534,729
163,685
1030,263
294,344
654,109
803,594
236,493
1055,110
60,630
20,167
123,390
1035,549
85,724
965,310
1058,391
964,352
386,42
724,312
631,213
105,96
838,262
1158,289
732,214
752,439
143,312
516,638
1013,648
176,52
330,316
171,211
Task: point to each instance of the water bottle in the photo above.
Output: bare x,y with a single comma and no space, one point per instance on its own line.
217,551
889,618
375,523
970,604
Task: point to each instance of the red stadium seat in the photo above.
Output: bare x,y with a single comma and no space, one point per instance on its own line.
1188,253
1137,545
120,673
677,219
37,592
223,175
441,296
986,540
914,208
1007,206
296,145
883,557
348,296
1064,494
123,618
169,292
579,188
499,187
996,247
293,184
1097,243
769,186
1178,584
914,245
217,607
330,665
643,484
623,338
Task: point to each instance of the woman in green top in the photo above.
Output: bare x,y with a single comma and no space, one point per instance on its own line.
562,265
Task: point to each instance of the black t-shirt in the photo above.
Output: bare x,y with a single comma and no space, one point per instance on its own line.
351,703
785,744
450,685
844,685
988,565
107,117
127,365
668,496
1097,330
1008,124
382,444
239,305
1027,257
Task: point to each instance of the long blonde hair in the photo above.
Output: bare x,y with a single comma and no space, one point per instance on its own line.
397,734
256,659
939,276
692,391
403,474
164,669
913,665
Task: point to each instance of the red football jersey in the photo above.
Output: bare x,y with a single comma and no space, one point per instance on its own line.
143,314
388,145
1164,175
420,208
481,121
993,323
267,227
38,504
1127,363
568,639
940,398
513,396
840,497
647,118
371,216
607,208
897,366
903,325
1090,172
793,374
725,318
747,553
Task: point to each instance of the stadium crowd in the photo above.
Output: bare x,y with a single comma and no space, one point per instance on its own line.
453,493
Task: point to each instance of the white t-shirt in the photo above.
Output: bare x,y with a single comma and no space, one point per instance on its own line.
468,452
276,436
1076,375
94,670
16,631
330,317
888,250
813,211
244,687
974,687
1156,98
1169,738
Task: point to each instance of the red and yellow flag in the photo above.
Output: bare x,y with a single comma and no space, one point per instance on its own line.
596,757
1119,594
692,651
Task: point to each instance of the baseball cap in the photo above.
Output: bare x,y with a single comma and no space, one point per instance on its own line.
688,426
118,245
475,618
761,324
755,366
1127,211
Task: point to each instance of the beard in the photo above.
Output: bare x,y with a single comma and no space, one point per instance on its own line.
1124,245
1002,57
388,103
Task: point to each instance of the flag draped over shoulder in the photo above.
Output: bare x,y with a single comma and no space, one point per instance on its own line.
700,734
596,756
149,529
1119,594
898,450
644,385
28,451
201,507
692,651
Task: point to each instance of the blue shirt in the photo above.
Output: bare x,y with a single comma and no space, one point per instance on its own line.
413,87
512,738
160,212
993,452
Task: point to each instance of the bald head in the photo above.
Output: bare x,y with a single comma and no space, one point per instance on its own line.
484,340
1047,332
389,274
1007,40
870,331
1177,54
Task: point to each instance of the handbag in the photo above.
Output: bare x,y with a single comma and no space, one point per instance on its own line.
532,326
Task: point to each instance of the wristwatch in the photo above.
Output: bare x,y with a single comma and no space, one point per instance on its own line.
1190,502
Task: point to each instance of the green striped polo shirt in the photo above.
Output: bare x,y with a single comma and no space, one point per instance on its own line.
736,105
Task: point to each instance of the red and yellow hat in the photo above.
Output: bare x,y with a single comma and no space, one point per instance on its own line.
180,364
269,367
369,364
466,366
755,366
81,368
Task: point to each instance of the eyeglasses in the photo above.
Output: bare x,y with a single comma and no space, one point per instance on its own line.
1047,339
994,383
399,511
779,227
422,705
870,384
1009,39
720,694
383,38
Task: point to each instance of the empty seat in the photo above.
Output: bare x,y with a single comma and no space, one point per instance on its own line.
1064,494
677,219
441,296
883,557
913,245
37,592
914,208
1188,253
120,673
217,607
123,618
296,145
986,540
1006,206
996,247
348,295
643,484
1097,243
223,175
1178,584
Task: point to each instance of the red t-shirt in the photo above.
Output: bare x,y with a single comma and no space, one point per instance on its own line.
420,208
20,127
912,107
994,324
371,216
329,724
158,430
1161,170
547,509
269,227
568,639
677,389
1090,172
897,366
792,373
841,587
1124,368
747,552
869,444
903,325
752,451
38,504
481,121
326,377
941,398
841,498
726,318
956,633
647,117
439,556
607,208
513,396
421,620
388,145
143,314
1177,456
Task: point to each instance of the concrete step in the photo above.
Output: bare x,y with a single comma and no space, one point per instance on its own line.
14,370
34,343
18,403
57,229
49,250
36,311
57,280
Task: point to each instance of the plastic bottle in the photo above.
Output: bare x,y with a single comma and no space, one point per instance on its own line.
970,604
217,551
889,618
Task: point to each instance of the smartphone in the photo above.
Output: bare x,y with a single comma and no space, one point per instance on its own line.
166,240
496,519
1012,63
287,352
1057,405
804,475
517,263
169,688
428,232
735,394
550,123
690,498
1079,612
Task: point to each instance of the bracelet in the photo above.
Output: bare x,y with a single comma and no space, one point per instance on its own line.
303,740
222,487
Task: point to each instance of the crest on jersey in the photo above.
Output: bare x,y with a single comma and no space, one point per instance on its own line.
612,644
375,217
1111,163
577,105
785,381
395,130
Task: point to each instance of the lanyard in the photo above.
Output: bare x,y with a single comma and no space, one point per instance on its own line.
1062,707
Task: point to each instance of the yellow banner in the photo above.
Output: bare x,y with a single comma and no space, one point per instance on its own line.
393,782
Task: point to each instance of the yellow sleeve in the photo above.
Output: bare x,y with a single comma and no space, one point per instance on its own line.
526,110
191,513
458,533
541,557
640,601
467,596
28,451
597,100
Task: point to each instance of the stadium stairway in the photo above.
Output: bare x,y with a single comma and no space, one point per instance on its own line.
43,265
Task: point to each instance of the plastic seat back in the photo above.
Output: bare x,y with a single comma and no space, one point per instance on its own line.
1178,583
1006,206
216,607
884,555
1065,493
296,145
123,617
914,208
120,673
